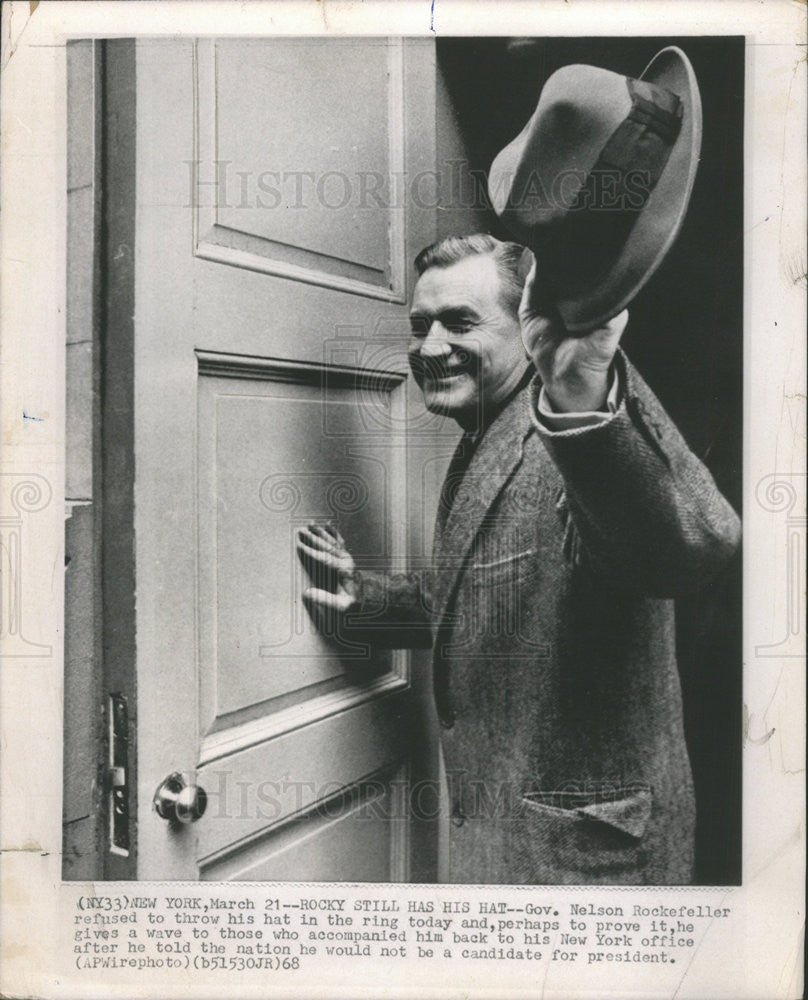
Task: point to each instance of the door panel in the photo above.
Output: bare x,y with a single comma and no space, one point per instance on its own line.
348,833
276,454
270,391
314,762
343,137
300,148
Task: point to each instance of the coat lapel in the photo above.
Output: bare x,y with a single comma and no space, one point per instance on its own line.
491,466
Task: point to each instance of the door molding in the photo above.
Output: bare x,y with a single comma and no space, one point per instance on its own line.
224,244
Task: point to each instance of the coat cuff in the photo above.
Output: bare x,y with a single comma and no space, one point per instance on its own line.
390,612
551,421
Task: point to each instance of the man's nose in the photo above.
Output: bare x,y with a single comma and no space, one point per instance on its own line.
436,343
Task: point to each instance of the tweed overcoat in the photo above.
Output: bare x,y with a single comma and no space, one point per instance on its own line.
551,609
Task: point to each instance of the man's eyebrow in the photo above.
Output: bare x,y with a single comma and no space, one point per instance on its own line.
460,310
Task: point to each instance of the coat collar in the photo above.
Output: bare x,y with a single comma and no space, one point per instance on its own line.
494,461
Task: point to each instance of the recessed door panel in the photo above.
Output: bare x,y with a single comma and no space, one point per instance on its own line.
301,159
281,446
350,831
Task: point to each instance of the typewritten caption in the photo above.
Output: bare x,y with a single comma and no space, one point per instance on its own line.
231,931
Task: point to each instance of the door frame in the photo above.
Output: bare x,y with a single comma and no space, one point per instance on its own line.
100,297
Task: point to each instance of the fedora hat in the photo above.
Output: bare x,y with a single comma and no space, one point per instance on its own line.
598,181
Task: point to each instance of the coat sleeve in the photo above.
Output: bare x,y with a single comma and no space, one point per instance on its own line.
392,611
646,512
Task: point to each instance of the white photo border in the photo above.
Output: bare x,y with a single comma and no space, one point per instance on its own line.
756,954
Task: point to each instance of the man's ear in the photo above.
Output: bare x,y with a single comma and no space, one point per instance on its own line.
525,264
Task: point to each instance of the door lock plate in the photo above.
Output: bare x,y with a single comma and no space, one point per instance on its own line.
118,775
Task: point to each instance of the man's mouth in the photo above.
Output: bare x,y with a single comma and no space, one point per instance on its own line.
435,372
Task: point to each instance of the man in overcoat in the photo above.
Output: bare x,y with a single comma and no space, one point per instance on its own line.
572,515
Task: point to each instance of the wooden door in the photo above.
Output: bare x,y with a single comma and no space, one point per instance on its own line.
274,231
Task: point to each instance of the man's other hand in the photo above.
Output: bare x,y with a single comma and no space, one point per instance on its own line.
574,369
330,566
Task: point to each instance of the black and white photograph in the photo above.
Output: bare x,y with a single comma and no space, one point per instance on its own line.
406,385
403,499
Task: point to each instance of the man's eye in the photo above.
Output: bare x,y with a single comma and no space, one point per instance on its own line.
418,327
461,326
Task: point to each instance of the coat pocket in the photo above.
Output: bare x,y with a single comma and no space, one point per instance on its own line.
592,837
505,568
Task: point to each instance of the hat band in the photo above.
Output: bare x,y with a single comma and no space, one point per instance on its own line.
596,226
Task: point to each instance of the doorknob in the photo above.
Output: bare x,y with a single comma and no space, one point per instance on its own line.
178,802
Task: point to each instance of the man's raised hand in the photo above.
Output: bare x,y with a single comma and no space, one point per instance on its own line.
574,369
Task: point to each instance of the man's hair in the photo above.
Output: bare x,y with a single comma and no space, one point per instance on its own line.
507,256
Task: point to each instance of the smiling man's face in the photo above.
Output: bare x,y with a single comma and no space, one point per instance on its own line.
465,350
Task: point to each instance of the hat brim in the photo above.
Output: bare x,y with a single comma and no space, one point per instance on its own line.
657,226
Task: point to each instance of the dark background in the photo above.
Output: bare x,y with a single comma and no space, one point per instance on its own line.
685,336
